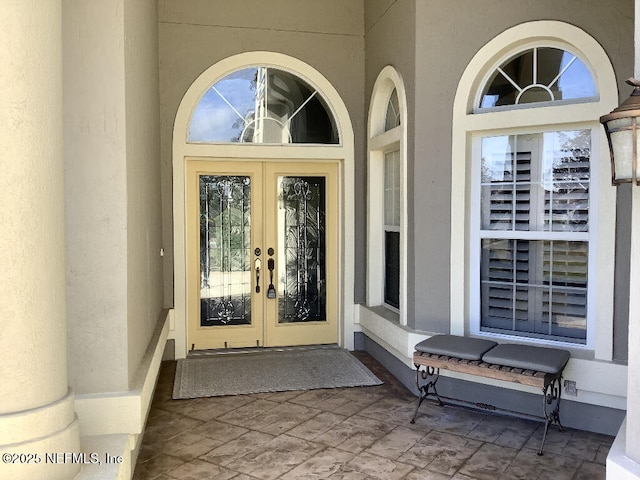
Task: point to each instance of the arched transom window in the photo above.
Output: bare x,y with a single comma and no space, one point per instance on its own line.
262,105
392,119
539,74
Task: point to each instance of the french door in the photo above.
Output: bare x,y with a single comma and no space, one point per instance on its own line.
262,253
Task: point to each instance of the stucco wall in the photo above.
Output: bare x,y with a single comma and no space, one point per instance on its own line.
95,195
430,43
112,196
144,219
448,34
195,34
390,40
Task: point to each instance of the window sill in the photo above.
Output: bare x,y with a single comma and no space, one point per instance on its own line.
383,326
385,313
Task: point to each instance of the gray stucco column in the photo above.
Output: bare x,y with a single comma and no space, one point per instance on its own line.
37,417
633,375
633,372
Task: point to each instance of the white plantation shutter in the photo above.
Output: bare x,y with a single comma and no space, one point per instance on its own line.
565,267
497,288
508,203
523,180
505,266
504,277
567,203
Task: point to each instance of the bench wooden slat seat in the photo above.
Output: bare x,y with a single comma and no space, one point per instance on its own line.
540,367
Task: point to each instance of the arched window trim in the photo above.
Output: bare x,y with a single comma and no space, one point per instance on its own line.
380,143
466,124
301,76
343,152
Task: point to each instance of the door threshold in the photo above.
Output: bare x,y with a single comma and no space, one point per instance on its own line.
231,351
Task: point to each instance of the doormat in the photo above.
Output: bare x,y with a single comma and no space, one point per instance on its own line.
269,370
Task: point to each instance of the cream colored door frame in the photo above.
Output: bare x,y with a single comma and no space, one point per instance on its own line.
342,153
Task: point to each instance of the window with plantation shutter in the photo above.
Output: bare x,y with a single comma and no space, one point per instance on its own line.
533,215
534,234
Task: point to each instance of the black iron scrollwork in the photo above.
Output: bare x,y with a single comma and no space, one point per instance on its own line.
428,387
551,394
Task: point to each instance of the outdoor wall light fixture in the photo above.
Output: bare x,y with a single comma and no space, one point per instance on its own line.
623,134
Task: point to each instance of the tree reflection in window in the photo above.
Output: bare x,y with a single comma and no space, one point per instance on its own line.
262,105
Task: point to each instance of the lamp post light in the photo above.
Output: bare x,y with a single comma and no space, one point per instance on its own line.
621,126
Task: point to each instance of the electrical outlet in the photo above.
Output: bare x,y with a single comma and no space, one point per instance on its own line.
570,388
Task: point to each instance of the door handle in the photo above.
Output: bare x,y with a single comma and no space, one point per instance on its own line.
258,267
271,291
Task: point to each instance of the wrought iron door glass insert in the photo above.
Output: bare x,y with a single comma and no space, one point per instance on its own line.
225,249
301,223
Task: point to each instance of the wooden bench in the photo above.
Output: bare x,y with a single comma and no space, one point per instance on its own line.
540,367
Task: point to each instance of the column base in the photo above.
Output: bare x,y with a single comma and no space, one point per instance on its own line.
619,465
41,443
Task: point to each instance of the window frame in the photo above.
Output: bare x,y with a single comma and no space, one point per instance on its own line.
381,142
467,125
391,227
477,234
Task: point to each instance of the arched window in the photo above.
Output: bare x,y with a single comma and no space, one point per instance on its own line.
392,119
387,199
527,238
262,105
538,74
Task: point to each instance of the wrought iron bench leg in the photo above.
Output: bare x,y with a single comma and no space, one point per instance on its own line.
427,388
551,396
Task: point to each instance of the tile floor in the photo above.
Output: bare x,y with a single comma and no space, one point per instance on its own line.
352,434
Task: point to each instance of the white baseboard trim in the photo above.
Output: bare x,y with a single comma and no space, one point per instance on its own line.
111,424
